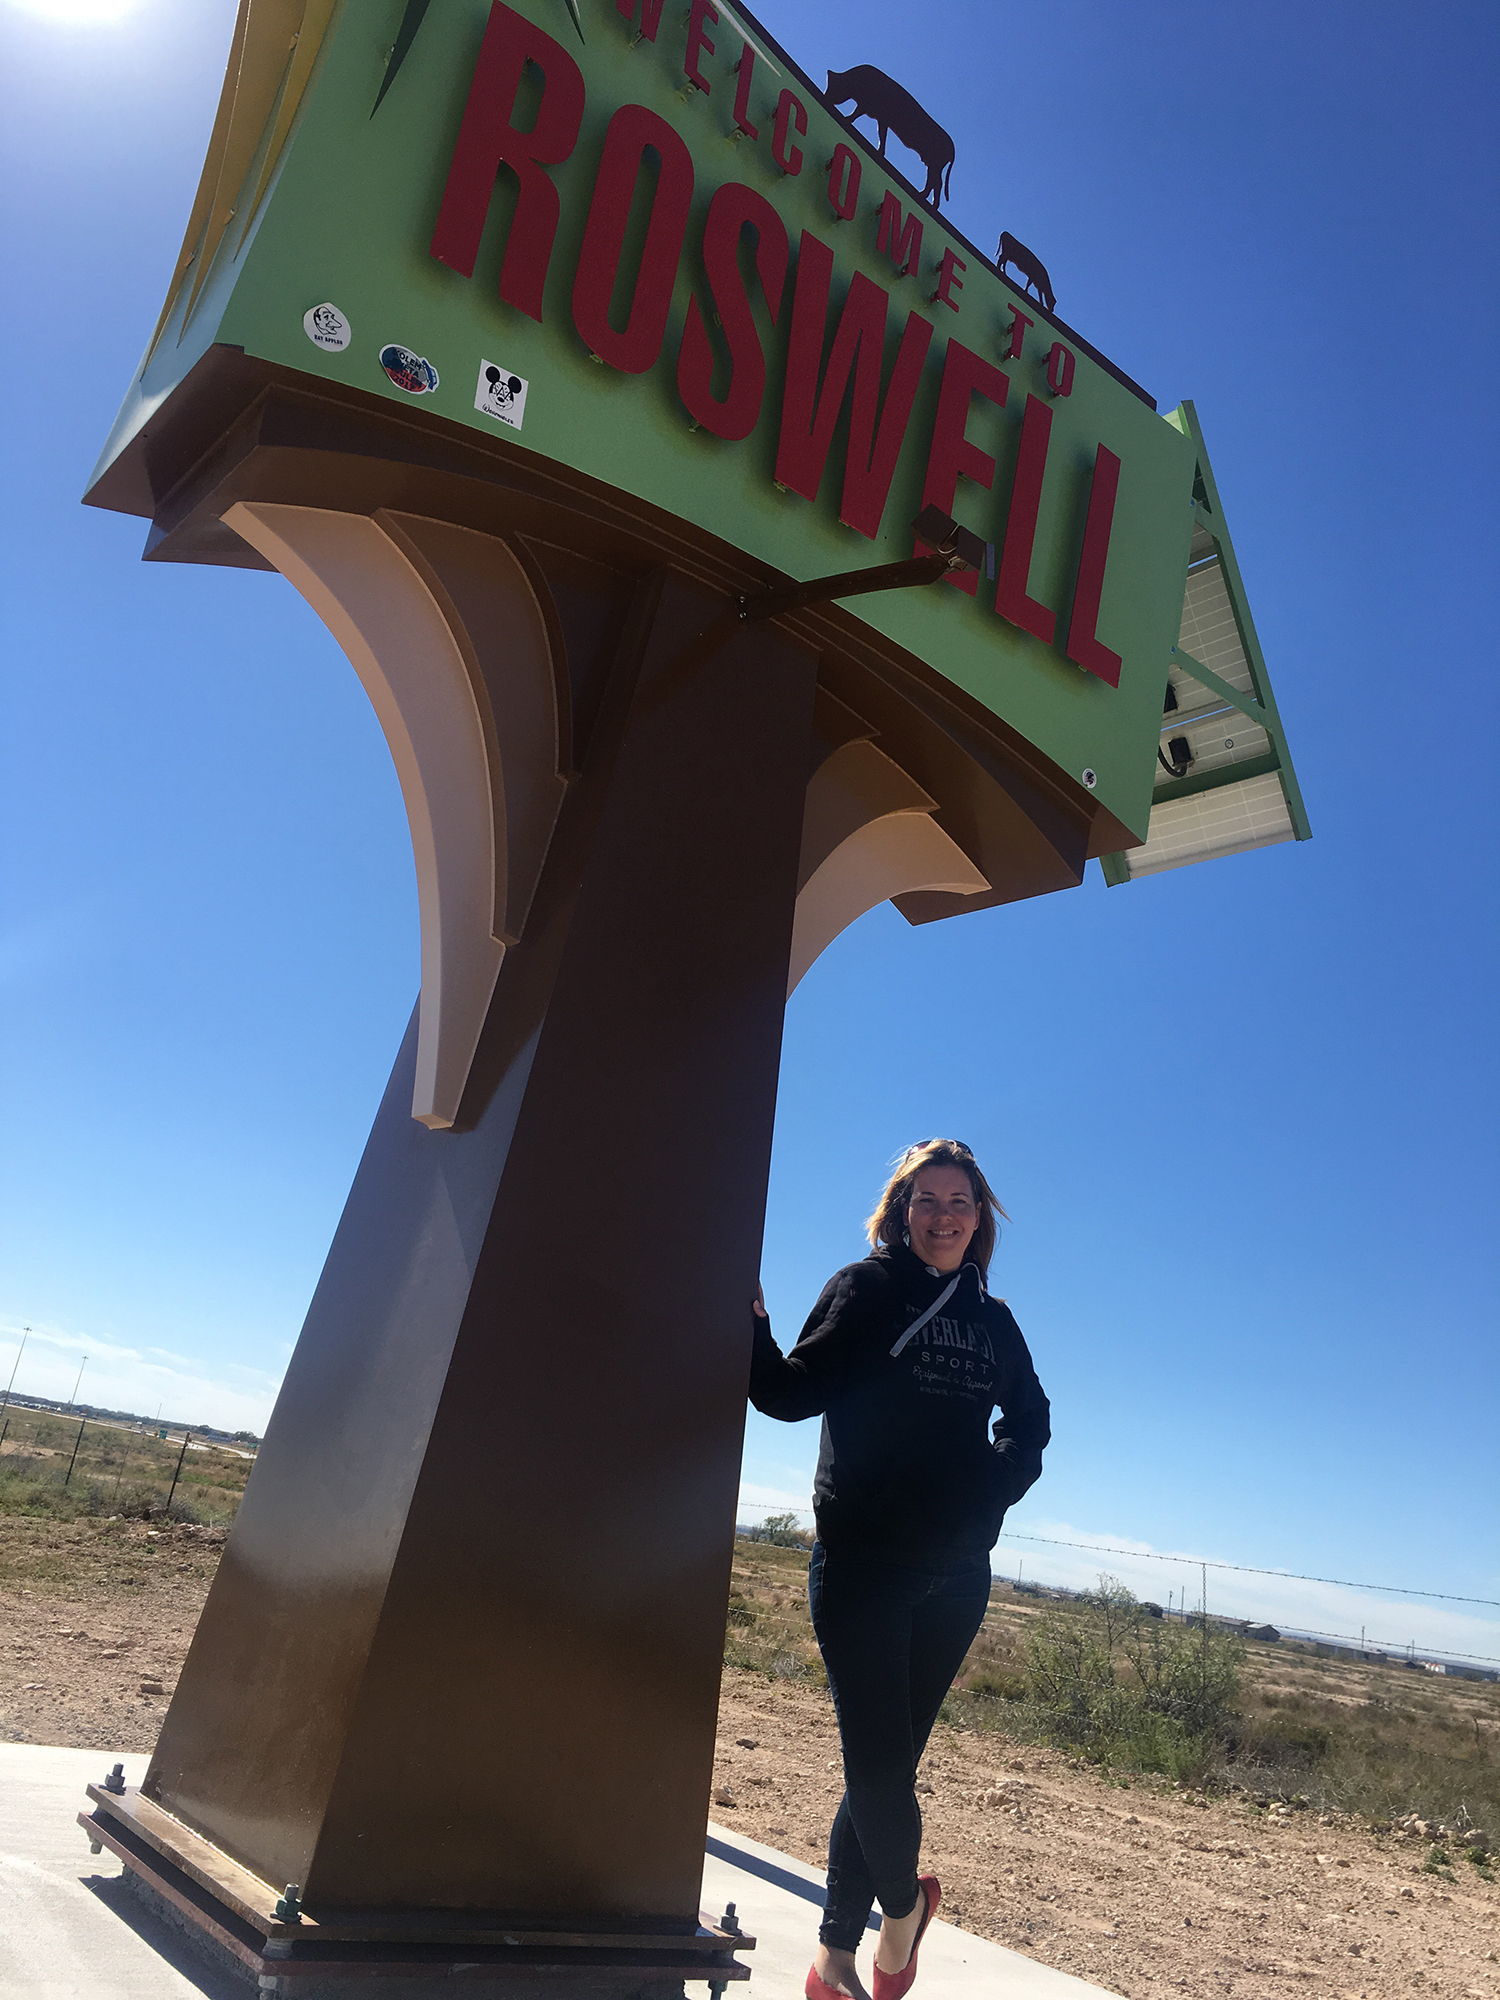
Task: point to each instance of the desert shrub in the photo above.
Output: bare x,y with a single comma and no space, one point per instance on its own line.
1107,1679
1191,1679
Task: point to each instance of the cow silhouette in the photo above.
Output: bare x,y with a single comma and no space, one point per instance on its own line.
877,96
1029,265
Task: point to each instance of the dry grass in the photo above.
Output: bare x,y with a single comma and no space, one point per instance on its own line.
1313,1728
119,1470
769,1629
1382,1741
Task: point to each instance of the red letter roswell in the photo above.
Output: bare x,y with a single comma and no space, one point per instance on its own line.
488,140
808,414
1011,599
730,210
1083,646
965,375
632,129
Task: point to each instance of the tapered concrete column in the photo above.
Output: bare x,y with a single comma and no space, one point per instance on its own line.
463,1651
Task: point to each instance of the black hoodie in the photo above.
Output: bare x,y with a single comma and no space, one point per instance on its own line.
907,1470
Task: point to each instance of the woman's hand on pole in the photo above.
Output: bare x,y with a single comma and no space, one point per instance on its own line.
758,1303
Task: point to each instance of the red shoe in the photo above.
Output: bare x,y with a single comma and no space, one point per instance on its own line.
891,1985
819,1989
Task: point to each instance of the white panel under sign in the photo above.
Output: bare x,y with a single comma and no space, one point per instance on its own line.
1209,632
1231,819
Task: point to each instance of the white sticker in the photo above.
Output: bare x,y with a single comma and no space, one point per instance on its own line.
500,394
325,326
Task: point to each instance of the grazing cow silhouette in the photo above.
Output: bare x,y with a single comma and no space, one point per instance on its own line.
876,96
1030,266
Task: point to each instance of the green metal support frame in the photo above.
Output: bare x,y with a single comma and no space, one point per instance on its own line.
1261,708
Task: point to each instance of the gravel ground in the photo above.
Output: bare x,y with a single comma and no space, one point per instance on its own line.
1142,1888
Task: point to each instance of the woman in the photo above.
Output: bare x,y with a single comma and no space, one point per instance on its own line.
904,1357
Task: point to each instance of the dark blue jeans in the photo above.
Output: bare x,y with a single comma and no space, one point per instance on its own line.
892,1641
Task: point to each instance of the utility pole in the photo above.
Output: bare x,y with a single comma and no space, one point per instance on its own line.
81,1366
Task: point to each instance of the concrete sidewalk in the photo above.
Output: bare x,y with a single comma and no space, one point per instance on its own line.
780,1901
68,1929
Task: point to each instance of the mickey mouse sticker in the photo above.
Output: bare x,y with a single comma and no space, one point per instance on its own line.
500,395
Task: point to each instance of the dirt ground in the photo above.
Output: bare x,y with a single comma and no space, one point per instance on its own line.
1144,1889
95,1620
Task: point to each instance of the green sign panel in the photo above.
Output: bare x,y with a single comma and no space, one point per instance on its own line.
642,244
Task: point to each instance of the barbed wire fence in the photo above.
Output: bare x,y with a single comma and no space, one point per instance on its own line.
1248,1569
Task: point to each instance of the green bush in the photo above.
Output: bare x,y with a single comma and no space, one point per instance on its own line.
781,1531
1107,1679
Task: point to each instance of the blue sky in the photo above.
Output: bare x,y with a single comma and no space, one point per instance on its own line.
1243,1115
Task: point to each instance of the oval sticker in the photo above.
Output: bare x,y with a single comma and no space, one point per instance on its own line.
326,327
408,371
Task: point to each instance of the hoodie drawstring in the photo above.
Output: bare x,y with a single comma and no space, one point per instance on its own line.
937,1305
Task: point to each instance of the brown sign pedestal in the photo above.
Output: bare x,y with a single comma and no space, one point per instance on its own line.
457,1676
235,1921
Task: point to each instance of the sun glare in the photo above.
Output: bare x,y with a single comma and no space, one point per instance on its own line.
75,13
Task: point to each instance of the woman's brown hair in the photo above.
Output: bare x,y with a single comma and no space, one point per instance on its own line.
888,1224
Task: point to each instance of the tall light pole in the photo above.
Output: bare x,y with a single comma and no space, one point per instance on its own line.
77,1379
5,1406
